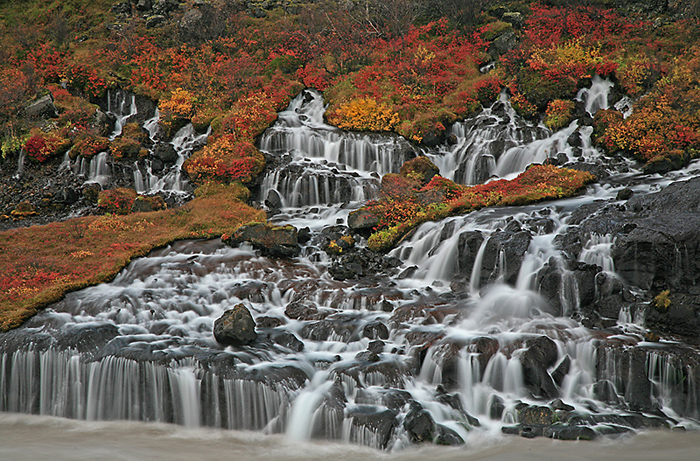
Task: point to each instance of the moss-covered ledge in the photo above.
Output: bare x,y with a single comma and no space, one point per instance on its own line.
43,263
405,202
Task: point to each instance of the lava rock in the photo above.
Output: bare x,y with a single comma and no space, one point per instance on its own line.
362,220
540,355
375,330
276,242
378,421
419,425
235,327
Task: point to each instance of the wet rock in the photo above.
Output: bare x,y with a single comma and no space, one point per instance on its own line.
468,247
624,194
376,346
419,425
86,338
680,316
375,330
166,153
447,436
288,340
269,322
562,370
323,329
513,245
562,432
535,416
496,407
362,220
273,241
235,327
379,421
540,355
559,404
273,200
627,367
361,263
300,310
367,356
662,165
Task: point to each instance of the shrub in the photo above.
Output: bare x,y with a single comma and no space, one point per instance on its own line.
365,114
419,169
42,147
559,114
226,159
88,145
117,201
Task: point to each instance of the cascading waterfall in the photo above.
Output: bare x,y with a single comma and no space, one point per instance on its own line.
448,344
184,141
321,164
121,105
98,170
481,141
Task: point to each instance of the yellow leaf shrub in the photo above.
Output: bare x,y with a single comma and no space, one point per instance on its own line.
365,114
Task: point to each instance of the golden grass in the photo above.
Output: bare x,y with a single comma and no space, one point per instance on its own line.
43,263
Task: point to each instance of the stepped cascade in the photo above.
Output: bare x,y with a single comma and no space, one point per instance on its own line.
474,325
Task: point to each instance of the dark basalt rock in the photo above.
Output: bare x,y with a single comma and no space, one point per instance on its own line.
362,220
419,425
468,247
287,340
539,356
235,327
380,421
680,317
276,242
361,263
513,245
375,330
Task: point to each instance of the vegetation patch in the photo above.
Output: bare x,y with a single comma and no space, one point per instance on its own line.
42,263
404,204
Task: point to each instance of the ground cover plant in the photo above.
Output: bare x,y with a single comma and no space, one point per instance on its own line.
409,199
42,263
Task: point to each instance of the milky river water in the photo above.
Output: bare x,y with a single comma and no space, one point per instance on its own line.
26,437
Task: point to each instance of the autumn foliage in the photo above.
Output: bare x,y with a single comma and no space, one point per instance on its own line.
404,204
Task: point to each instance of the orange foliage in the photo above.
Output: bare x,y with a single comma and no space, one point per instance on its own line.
365,114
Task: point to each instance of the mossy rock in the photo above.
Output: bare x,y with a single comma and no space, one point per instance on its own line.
419,169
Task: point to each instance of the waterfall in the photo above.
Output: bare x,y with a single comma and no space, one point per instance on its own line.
20,163
471,323
122,105
321,164
184,141
98,170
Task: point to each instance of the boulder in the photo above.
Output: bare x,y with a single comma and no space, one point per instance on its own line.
273,241
41,108
513,245
362,220
540,355
379,421
235,327
201,23
419,425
